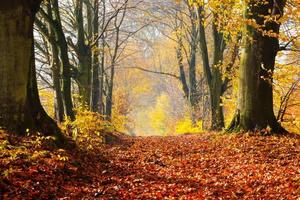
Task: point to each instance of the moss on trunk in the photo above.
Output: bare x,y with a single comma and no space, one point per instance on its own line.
255,102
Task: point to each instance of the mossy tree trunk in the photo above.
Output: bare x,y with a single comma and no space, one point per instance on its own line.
20,107
255,102
84,55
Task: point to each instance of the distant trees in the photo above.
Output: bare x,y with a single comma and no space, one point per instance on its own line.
206,44
80,50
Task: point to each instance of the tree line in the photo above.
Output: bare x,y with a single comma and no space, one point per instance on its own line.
83,40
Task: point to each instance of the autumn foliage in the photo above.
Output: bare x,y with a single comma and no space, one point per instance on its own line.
207,166
134,89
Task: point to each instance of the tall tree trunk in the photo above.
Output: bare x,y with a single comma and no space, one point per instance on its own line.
102,61
216,84
102,75
213,74
64,59
193,96
56,73
84,56
190,88
95,96
109,96
20,107
182,76
58,101
255,102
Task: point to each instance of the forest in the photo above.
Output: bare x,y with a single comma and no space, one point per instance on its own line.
150,99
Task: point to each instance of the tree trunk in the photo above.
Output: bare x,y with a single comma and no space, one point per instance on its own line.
212,74
109,96
56,73
102,74
216,83
217,116
255,102
64,59
58,101
183,81
193,96
84,57
95,92
102,61
20,107
84,78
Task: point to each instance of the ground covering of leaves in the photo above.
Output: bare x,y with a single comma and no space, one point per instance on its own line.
206,166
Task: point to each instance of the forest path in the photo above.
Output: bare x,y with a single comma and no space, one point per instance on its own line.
207,165
203,166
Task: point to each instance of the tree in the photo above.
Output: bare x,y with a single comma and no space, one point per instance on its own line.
53,18
20,107
96,86
261,44
213,70
84,51
114,56
50,51
183,25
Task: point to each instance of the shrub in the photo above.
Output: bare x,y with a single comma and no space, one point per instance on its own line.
88,127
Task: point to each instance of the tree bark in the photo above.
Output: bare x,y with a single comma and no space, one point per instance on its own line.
58,101
216,83
182,76
193,96
95,92
213,74
115,54
101,79
20,107
84,56
56,73
255,102
64,59
102,61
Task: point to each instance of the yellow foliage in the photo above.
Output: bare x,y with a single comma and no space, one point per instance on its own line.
27,148
284,78
47,100
159,119
87,127
186,126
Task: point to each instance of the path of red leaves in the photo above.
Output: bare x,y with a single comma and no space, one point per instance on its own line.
207,166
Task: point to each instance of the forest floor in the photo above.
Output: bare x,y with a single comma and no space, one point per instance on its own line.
203,166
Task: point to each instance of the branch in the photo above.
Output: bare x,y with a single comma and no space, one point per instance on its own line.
154,72
285,47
